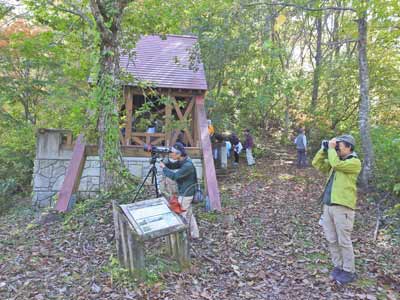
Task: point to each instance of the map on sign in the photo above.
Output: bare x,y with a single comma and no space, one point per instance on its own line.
151,215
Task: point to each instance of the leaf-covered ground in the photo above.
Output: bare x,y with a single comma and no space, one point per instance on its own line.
266,244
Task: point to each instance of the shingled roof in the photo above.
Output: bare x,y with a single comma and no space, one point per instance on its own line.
166,63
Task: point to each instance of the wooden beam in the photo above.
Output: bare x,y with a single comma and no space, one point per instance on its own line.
177,109
168,114
174,136
69,138
73,176
189,109
144,134
121,137
129,109
188,136
195,129
136,151
158,141
208,161
167,91
137,140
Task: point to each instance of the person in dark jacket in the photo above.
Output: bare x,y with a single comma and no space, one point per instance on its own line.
237,147
248,144
183,172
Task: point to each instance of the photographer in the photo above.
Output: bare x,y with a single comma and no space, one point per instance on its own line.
186,179
339,201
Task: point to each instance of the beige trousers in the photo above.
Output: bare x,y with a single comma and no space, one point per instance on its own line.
338,224
168,187
186,204
249,157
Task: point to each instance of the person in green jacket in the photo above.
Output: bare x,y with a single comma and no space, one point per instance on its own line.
339,202
183,172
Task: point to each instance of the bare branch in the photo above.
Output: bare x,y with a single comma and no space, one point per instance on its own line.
74,11
339,43
98,16
301,7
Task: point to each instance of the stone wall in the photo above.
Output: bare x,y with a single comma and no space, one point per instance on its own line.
52,161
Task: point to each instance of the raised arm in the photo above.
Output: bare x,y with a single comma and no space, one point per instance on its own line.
320,161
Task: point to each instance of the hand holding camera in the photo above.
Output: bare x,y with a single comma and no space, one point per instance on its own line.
333,143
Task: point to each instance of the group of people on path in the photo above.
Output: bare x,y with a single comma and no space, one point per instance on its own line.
336,158
234,145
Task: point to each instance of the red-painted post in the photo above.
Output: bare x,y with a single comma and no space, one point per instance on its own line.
73,176
208,160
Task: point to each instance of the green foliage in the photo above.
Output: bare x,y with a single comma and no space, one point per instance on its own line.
155,267
16,152
393,221
118,275
387,148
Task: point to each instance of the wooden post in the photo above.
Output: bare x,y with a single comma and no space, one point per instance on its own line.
208,161
168,114
129,109
195,129
139,253
178,247
124,242
182,245
69,138
117,231
73,176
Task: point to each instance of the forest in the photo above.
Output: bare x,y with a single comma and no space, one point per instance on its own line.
329,66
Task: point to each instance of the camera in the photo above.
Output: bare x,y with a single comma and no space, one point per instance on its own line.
156,150
325,145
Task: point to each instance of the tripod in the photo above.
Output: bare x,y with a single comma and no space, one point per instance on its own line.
153,172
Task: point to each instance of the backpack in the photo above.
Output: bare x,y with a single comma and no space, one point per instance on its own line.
198,193
198,196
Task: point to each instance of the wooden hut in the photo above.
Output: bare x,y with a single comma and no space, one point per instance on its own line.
172,68
167,68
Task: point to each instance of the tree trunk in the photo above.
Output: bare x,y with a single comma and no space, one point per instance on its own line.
318,58
316,76
108,21
366,141
287,119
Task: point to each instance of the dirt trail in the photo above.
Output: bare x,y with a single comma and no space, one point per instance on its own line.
266,244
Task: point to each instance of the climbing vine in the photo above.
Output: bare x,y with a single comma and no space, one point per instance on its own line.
115,175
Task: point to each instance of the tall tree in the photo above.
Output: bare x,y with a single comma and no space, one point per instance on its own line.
108,16
364,111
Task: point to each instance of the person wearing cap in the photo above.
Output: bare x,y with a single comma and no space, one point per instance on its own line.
339,202
183,172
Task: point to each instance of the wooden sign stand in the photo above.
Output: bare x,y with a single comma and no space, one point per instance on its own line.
131,234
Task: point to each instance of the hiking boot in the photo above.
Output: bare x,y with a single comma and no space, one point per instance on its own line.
345,277
335,272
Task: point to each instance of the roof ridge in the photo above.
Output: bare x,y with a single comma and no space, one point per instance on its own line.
172,35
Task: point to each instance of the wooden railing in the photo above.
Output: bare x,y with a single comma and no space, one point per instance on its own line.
141,138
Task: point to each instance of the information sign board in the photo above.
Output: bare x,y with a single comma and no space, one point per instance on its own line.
152,216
